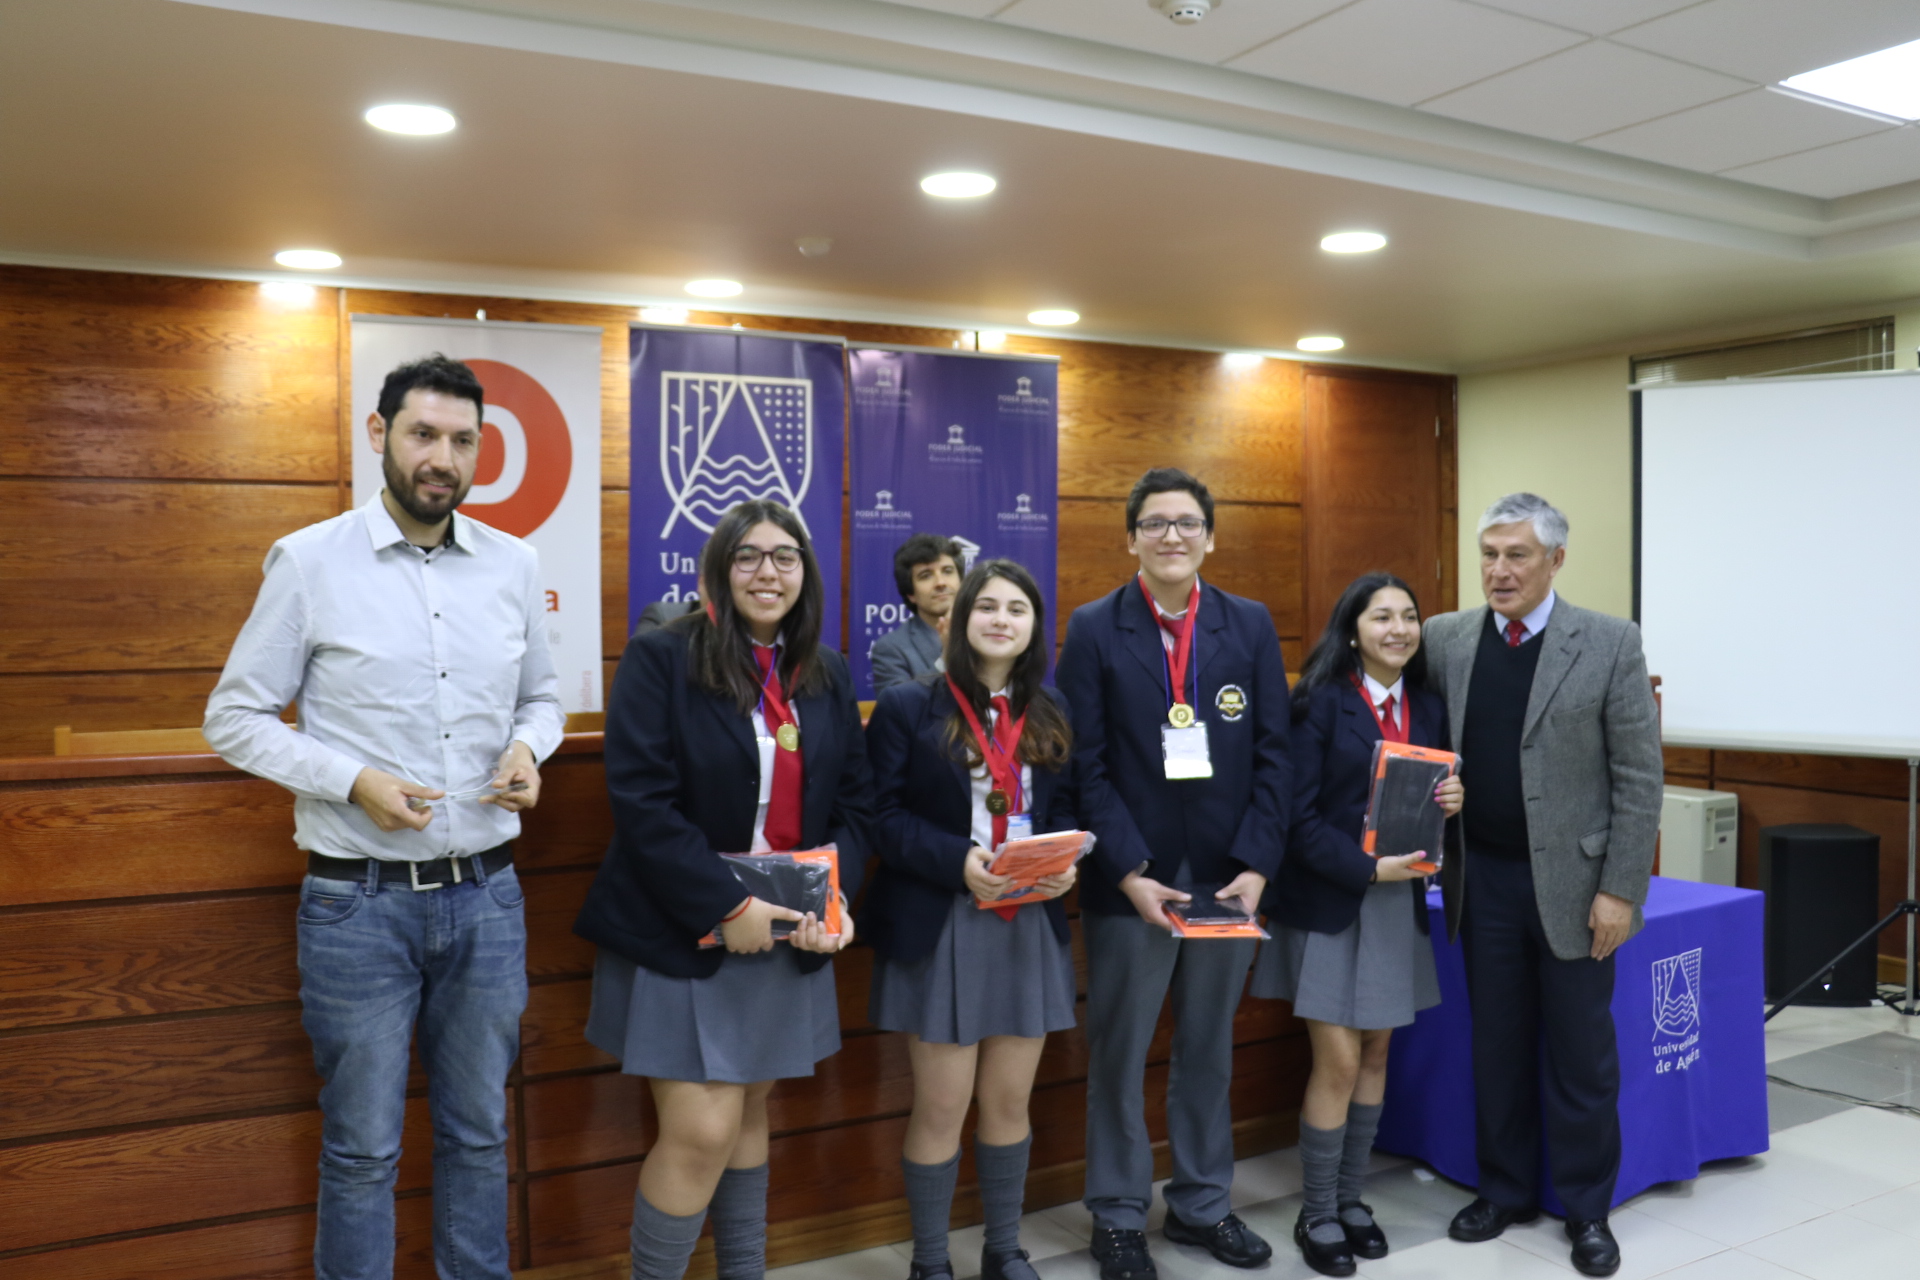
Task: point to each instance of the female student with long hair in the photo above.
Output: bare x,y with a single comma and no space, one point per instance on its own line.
960,759
1349,948
730,730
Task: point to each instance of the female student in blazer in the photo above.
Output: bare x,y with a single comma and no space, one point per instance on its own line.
1349,946
976,990
730,730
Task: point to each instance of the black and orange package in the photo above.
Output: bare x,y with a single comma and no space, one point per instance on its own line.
1032,859
1206,916
1402,815
804,881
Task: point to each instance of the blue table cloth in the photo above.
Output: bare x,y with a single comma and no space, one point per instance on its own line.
1688,1001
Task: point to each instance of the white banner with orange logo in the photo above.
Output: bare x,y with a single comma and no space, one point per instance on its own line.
539,470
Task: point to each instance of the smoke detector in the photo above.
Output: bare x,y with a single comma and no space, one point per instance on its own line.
1186,12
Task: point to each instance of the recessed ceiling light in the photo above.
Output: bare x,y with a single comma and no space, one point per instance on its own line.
664,315
1053,315
714,288
990,340
288,291
1242,359
410,117
1321,342
1886,83
307,259
957,186
1353,242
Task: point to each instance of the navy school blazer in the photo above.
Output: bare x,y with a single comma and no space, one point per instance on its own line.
1113,673
683,776
1326,873
923,823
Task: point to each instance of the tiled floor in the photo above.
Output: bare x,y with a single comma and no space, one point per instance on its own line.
1837,1198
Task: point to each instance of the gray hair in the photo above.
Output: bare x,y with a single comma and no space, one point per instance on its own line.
1549,524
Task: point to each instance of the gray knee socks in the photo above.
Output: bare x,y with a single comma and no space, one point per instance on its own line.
1363,1121
930,1204
739,1213
662,1242
1003,1191
1320,1153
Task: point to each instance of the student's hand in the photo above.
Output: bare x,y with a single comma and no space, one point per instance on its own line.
1247,886
1054,886
384,799
752,929
1451,795
516,779
983,884
812,934
1394,870
1147,897
1610,919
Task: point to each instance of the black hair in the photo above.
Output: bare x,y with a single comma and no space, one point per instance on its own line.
921,548
430,373
722,649
1167,480
1046,740
1336,654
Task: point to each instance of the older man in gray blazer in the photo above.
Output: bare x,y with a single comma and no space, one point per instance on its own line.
1560,743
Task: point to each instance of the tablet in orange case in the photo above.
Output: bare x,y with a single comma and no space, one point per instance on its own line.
1032,859
822,863
1402,815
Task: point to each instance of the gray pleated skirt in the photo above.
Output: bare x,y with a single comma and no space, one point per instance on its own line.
758,1018
984,977
1374,974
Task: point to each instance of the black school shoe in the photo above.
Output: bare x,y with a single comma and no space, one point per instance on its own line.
1368,1241
1122,1255
1007,1266
939,1271
1483,1220
1594,1251
1334,1259
1229,1240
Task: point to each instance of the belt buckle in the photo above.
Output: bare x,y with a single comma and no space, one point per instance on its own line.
413,874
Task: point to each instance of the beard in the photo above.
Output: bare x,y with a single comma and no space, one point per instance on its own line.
405,490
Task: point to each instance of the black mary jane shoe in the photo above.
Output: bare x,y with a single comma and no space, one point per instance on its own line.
939,1271
1595,1252
1327,1259
1366,1242
1229,1240
1007,1266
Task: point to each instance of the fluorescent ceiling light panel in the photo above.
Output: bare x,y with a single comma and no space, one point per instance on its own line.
957,186
1053,315
1242,359
664,315
411,117
1353,242
1887,82
1321,342
289,292
714,288
307,259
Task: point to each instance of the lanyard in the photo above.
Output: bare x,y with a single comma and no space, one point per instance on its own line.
1185,646
787,734
1002,765
1389,730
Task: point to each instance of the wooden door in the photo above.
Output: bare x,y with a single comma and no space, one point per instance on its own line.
1378,485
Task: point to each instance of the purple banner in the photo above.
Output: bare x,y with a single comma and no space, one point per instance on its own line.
950,443
720,417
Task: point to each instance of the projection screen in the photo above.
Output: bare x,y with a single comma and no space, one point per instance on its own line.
1780,561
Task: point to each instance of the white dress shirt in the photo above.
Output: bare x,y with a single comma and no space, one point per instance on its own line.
1533,624
424,664
1378,694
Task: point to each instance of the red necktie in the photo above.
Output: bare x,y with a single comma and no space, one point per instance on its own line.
1004,739
1516,632
783,803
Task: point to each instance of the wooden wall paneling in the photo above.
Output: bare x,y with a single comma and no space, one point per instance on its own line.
1767,806
854,331
110,375
576,1120
1372,455
129,960
1449,489
90,702
1695,762
553,901
573,821
852,980
870,1076
1850,775
552,1031
583,1213
124,575
68,844
615,504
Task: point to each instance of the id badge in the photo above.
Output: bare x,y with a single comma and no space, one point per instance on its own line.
767,747
1186,751
1019,826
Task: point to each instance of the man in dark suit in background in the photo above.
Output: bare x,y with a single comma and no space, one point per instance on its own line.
926,570
1180,711
1560,743
661,612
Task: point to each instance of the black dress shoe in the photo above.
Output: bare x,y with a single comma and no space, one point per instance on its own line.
1368,1241
1122,1255
1229,1240
1335,1259
1594,1251
1484,1220
1007,1266
939,1271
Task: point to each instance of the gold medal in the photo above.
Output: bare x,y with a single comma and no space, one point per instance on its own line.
997,803
1180,715
788,736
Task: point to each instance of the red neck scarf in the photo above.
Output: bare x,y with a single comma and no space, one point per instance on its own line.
1001,752
783,805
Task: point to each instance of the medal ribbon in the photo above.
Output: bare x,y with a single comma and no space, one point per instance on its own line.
1393,731
783,804
1182,632
1000,751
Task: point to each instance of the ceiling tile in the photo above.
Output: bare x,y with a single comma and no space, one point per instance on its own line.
1769,40
1752,127
1403,51
1596,17
1878,160
1589,89
965,8
1233,28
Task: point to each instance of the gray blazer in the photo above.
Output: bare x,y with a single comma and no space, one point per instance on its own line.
1590,760
904,654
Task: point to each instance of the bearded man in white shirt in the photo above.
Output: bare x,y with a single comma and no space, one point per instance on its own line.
414,642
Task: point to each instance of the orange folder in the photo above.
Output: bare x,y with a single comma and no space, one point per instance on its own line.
1030,860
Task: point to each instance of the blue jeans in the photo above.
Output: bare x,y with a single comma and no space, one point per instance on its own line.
374,959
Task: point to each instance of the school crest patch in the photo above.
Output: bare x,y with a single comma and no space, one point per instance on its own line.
1230,702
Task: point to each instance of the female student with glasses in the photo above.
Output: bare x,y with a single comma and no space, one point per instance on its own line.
730,730
962,759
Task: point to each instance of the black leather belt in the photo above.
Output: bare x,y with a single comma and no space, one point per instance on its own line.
418,876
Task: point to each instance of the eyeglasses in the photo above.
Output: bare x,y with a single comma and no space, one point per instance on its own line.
1157,526
747,559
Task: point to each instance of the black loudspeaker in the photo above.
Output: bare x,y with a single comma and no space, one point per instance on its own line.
1823,891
